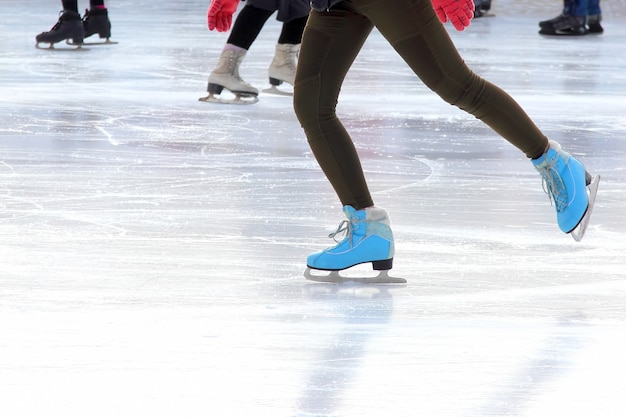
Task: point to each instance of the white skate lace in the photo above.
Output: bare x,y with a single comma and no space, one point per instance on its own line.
553,185
344,229
232,64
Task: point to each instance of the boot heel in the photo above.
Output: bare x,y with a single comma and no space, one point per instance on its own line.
275,81
214,88
385,265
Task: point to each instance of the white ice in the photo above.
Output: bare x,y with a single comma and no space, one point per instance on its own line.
152,246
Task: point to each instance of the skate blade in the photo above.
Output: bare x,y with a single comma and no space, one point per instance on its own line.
239,99
333,277
561,33
105,42
592,190
277,91
51,47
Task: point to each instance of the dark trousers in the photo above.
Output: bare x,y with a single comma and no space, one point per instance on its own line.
331,42
251,20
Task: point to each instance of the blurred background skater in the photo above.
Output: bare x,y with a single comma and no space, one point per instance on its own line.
482,7
248,24
579,17
71,28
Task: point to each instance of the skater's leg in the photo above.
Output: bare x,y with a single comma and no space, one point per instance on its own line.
70,5
332,42
422,41
424,44
593,7
283,66
568,7
247,26
97,4
579,8
292,31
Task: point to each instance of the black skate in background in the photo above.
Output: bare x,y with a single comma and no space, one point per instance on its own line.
564,25
96,21
481,8
68,27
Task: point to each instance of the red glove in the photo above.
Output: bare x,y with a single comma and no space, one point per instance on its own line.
458,12
220,14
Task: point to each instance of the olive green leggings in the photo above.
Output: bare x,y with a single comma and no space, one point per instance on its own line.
331,42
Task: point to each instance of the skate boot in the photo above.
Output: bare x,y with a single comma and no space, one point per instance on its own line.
368,238
69,26
226,75
97,21
570,187
283,67
564,25
481,8
593,23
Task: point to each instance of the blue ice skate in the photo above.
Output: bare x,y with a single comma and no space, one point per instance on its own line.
368,238
571,188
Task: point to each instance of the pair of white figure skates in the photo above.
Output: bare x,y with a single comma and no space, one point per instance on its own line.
368,236
226,75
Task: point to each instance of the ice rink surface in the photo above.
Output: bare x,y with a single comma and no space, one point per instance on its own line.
152,246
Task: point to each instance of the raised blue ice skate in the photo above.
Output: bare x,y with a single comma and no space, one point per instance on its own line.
368,238
566,181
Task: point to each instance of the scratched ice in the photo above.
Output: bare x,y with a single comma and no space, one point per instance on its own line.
152,246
